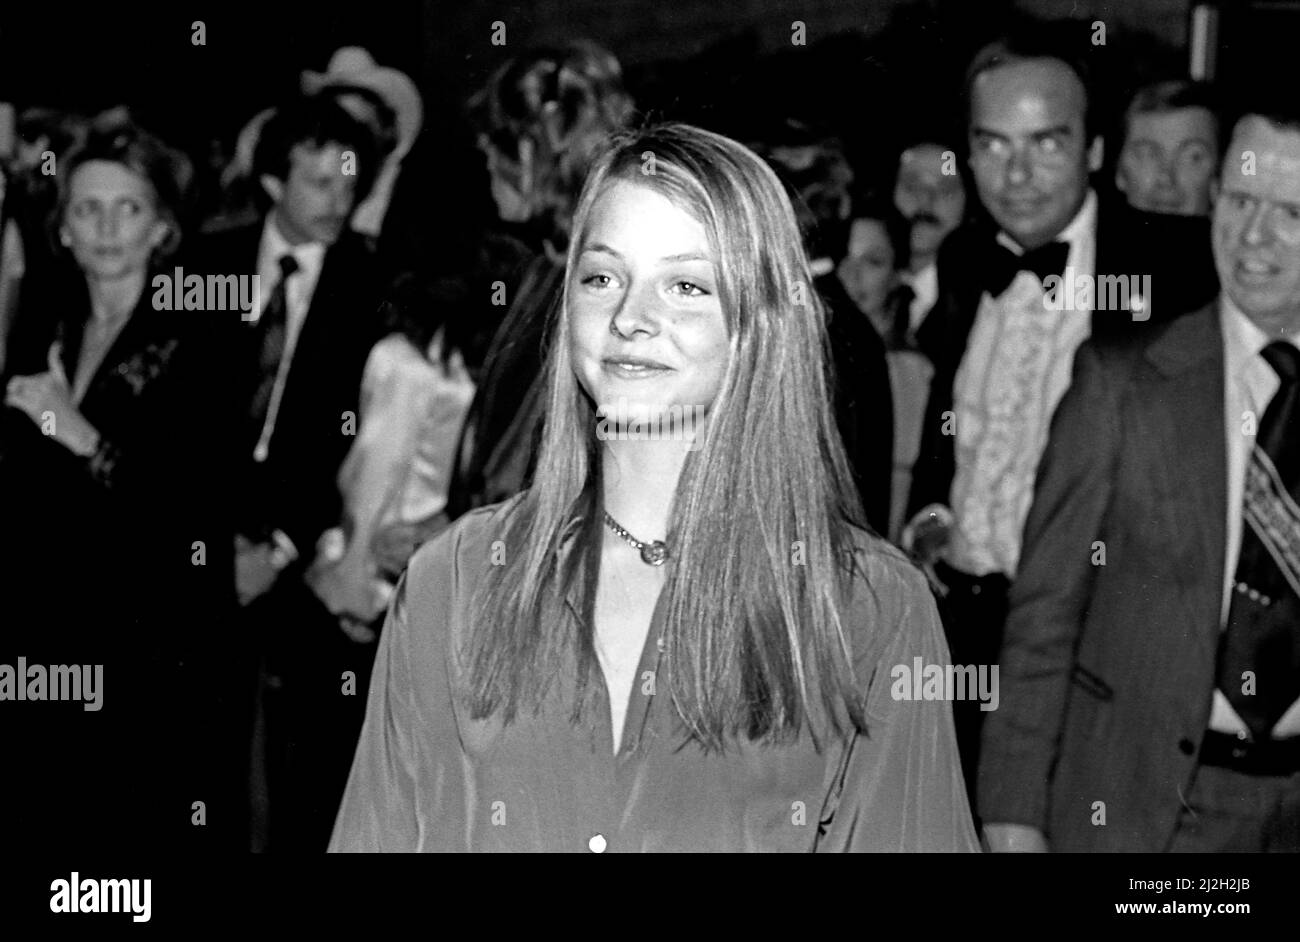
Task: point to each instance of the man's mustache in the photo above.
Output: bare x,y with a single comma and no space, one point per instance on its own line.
923,216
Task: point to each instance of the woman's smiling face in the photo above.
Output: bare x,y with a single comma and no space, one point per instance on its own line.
647,331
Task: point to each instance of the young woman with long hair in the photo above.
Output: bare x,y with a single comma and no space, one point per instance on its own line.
680,637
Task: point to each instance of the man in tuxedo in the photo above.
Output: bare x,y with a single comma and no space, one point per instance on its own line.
300,356
1002,336
1150,680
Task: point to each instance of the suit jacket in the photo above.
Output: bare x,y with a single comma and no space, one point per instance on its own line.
124,560
1108,663
294,490
1175,251
862,398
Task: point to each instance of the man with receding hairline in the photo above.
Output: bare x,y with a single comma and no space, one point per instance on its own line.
1002,348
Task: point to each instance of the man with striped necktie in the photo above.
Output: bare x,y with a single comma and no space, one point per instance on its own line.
1150,696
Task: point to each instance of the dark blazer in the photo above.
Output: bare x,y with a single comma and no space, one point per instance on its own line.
123,560
862,398
1107,671
131,512
1175,251
295,489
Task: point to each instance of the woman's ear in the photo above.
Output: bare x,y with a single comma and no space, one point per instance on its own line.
65,240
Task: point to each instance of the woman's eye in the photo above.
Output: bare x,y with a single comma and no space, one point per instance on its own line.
597,281
689,288
130,207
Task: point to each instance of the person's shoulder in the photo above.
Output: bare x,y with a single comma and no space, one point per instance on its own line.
357,249
1125,348
434,600
459,556
395,355
886,591
880,568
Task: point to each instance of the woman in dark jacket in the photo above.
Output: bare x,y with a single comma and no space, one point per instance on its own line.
104,450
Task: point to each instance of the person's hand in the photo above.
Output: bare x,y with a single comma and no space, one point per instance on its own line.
341,578
46,399
1014,839
357,630
924,539
255,572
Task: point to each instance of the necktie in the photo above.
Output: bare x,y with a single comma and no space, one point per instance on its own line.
270,332
1259,653
1002,264
899,303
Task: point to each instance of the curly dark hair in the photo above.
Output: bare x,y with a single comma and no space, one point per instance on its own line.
318,120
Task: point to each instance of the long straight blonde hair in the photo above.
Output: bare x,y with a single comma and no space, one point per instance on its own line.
762,519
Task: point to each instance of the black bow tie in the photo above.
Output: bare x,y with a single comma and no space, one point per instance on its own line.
1003,264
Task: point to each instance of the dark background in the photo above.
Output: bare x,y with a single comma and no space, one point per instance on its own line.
871,70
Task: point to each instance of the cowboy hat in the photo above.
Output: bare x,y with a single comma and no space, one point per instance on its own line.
354,66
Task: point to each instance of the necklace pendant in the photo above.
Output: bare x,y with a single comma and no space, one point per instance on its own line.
654,554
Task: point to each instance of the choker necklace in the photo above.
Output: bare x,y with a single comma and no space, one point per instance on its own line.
652,554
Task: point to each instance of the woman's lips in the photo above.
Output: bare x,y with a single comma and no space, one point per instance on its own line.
634,367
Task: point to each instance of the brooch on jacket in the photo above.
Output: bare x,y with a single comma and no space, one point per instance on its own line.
146,365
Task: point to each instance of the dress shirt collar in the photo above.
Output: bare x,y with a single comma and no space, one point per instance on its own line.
1243,339
309,255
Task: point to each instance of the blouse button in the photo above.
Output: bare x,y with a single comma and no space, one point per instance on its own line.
597,844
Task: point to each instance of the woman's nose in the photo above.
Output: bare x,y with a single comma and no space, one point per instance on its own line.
635,313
